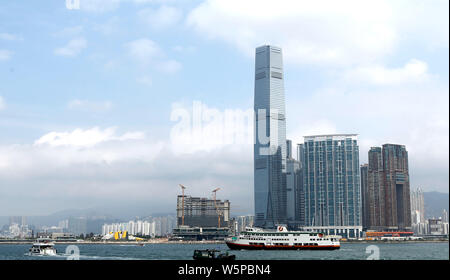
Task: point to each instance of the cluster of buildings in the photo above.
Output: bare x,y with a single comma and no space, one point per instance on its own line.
17,228
157,226
75,228
421,225
324,188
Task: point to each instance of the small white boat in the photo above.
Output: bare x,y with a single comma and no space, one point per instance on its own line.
43,247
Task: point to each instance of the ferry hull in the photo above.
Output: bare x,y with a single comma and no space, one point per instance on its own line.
237,246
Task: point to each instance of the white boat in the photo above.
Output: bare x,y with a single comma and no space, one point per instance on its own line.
43,247
282,239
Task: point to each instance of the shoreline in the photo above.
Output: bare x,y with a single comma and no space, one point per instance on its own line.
165,241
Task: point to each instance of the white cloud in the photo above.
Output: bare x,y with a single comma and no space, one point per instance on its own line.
184,49
162,17
109,27
324,32
10,37
170,66
309,31
145,80
5,54
70,31
144,50
147,52
87,105
2,103
120,168
412,72
73,47
85,138
99,6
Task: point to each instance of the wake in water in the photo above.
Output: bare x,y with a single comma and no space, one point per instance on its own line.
78,257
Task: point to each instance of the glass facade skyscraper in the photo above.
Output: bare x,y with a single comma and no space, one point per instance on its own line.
332,181
364,195
270,138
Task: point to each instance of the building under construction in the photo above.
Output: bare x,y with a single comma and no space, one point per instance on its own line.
202,212
202,218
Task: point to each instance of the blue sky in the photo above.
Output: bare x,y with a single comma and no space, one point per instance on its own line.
87,95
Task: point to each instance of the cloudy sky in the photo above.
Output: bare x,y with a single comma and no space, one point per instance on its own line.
99,103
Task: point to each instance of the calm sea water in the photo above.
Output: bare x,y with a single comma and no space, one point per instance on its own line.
348,251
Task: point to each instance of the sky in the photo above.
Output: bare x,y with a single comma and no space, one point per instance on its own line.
115,102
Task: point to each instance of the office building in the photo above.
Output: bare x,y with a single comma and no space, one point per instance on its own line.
293,183
270,138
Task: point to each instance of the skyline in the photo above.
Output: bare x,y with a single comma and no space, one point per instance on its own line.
87,96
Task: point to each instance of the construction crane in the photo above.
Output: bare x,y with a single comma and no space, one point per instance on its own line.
182,204
215,205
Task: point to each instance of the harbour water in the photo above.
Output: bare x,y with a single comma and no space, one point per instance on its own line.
348,251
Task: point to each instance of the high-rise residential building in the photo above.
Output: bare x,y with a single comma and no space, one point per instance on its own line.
444,216
242,222
398,208
375,197
331,184
77,225
270,138
417,206
364,195
20,220
388,184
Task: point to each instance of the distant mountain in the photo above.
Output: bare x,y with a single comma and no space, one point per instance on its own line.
435,202
107,213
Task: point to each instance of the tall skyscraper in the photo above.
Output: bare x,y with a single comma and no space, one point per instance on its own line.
364,194
417,207
270,138
398,208
375,196
332,184
388,184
